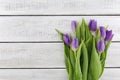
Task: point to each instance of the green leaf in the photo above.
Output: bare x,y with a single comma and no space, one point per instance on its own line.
72,61
60,33
106,49
78,73
66,56
70,70
88,34
103,57
87,41
95,64
89,49
66,50
84,57
98,36
72,58
68,63
78,31
82,29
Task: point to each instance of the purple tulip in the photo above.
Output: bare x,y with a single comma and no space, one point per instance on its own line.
92,25
66,39
103,32
74,25
75,44
109,35
101,45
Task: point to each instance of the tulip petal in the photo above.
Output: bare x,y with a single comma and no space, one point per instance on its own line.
102,32
100,45
75,44
74,25
93,25
66,39
109,35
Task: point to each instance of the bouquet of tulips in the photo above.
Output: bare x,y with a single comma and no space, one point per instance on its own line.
86,50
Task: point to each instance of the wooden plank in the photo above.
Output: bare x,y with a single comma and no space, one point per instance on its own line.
28,55
49,74
44,55
55,7
111,74
42,28
32,74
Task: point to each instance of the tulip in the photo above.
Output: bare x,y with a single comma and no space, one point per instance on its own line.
103,32
66,39
74,25
93,25
75,44
100,46
109,35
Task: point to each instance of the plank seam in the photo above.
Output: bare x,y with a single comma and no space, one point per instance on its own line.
66,15
40,42
55,68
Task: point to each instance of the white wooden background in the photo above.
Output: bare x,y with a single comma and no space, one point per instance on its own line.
30,48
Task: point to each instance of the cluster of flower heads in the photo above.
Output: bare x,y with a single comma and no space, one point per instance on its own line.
105,36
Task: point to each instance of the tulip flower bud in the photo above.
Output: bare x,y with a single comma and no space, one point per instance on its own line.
74,25
100,46
66,39
93,25
109,35
103,32
75,44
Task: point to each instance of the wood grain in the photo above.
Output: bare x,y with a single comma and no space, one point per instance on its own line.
44,55
51,74
42,28
23,59
55,7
